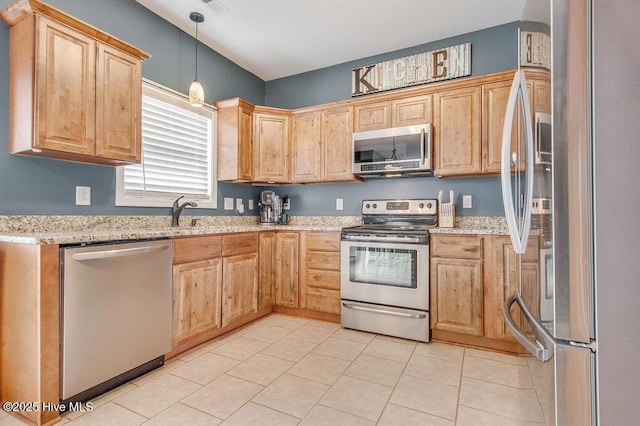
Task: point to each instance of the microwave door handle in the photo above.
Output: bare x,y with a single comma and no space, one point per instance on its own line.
422,147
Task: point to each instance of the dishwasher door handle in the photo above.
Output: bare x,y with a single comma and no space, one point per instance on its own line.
108,254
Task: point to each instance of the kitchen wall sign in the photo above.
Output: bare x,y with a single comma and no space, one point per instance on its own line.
535,49
428,67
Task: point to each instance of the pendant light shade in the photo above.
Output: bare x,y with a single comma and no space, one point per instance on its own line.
196,91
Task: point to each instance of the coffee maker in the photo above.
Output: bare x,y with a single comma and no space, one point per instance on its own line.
270,208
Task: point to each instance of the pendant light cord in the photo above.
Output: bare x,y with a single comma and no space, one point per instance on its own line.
196,50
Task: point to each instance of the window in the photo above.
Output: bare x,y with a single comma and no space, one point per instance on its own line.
177,153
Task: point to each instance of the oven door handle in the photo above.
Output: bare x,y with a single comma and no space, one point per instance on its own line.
383,311
410,240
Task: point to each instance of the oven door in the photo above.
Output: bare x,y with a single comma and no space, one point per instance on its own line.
386,273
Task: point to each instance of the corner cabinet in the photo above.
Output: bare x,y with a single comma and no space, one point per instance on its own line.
271,145
235,140
82,101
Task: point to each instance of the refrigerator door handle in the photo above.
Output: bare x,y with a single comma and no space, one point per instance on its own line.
519,232
542,348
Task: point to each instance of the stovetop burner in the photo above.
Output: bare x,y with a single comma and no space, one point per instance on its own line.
397,216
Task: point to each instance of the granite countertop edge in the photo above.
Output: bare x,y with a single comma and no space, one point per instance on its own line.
464,225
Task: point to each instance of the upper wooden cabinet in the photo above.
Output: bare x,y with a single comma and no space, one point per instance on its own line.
321,146
75,93
457,131
271,145
235,140
404,111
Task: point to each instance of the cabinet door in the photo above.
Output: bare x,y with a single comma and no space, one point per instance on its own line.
286,263
196,298
65,89
337,154
410,111
457,141
271,147
234,140
267,269
371,116
118,105
239,286
456,295
305,146
541,96
506,283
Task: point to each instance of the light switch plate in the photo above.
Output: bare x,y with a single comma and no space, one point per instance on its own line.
239,203
467,201
250,204
228,203
339,204
83,195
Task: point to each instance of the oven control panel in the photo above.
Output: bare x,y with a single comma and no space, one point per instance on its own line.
425,206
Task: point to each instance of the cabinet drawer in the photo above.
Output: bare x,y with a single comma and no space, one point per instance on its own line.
239,244
190,249
323,260
458,247
323,300
323,279
323,241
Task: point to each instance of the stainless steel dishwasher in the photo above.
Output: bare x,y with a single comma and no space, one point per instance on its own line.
116,314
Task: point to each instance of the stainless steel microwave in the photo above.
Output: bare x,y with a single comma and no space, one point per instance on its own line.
398,151
543,148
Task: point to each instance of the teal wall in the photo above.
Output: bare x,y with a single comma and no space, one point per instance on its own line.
44,186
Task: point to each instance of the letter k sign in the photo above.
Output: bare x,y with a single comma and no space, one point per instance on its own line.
360,83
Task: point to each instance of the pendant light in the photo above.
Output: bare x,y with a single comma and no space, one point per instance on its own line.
196,92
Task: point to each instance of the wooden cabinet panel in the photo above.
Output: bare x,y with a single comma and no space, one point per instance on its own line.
306,153
494,107
323,260
323,300
456,295
234,140
189,249
541,96
337,152
196,298
506,273
239,243
371,116
457,141
266,297
411,111
271,147
65,85
322,241
239,287
321,278
456,246
118,105
286,268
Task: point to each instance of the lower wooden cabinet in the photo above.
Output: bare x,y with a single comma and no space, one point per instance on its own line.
239,286
457,284
320,272
286,269
196,298
266,269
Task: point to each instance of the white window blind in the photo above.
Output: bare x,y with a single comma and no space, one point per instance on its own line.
177,152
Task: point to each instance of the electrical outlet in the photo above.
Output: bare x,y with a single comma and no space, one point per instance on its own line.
339,204
467,201
83,195
239,203
250,204
228,203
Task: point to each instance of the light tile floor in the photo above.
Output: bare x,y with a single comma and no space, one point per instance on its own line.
283,370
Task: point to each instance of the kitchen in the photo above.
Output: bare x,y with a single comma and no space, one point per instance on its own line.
25,193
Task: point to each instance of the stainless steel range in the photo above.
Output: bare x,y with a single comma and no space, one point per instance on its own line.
384,282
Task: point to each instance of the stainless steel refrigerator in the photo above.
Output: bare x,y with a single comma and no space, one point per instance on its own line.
578,313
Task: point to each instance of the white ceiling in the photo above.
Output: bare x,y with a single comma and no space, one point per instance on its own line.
279,38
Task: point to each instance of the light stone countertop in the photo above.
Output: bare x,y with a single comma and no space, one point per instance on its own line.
80,229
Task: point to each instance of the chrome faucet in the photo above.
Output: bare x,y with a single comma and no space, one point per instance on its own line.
177,209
